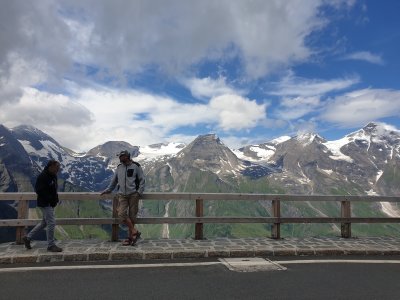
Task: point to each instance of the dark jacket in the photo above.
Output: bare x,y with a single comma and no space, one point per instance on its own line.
46,189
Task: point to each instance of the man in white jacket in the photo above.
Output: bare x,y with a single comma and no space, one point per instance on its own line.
130,180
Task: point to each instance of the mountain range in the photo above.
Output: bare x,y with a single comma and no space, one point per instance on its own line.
365,162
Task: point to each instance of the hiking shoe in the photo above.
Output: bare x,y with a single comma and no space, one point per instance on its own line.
27,243
54,248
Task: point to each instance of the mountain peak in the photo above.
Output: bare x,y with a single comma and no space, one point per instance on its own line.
280,139
205,143
309,137
27,128
34,136
211,137
208,152
111,148
375,131
377,128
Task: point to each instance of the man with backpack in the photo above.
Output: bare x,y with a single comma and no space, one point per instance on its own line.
130,180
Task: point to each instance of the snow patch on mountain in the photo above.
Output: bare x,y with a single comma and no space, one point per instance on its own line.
328,172
263,154
152,152
280,140
335,146
307,138
260,152
49,149
380,172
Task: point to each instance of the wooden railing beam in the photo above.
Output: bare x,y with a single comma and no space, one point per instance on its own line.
199,220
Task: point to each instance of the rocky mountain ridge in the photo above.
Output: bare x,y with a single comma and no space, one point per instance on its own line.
365,162
360,162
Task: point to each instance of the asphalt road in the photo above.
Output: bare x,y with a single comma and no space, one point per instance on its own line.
300,281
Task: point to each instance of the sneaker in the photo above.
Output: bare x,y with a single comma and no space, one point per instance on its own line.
27,242
136,238
54,248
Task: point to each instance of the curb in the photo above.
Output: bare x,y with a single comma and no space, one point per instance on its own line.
183,254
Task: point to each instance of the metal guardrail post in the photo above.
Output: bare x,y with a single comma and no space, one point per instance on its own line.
22,214
276,211
345,213
199,226
114,227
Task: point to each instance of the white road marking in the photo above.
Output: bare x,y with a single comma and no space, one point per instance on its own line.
338,261
277,263
89,267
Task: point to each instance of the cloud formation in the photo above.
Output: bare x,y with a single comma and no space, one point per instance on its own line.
236,112
297,107
206,88
303,96
122,36
176,34
359,107
365,56
36,50
61,61
291,85
103,114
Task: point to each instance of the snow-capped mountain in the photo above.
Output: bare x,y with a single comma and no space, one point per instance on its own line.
365,162
85,171
156,151
260,153
17,171
92,171
361,162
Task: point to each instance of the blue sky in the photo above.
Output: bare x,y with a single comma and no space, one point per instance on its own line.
88,71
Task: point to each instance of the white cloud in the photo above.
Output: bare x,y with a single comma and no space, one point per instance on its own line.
177,34
32,34
360,107
115,108
57,115
16,72
294,108
206,88
44,42
236,112
172,35
296,86
302,96
365,56
87,117
303,127
45,109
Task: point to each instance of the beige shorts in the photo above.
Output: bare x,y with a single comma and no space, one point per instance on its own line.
128,205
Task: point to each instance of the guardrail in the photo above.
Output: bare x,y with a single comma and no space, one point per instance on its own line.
199,219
